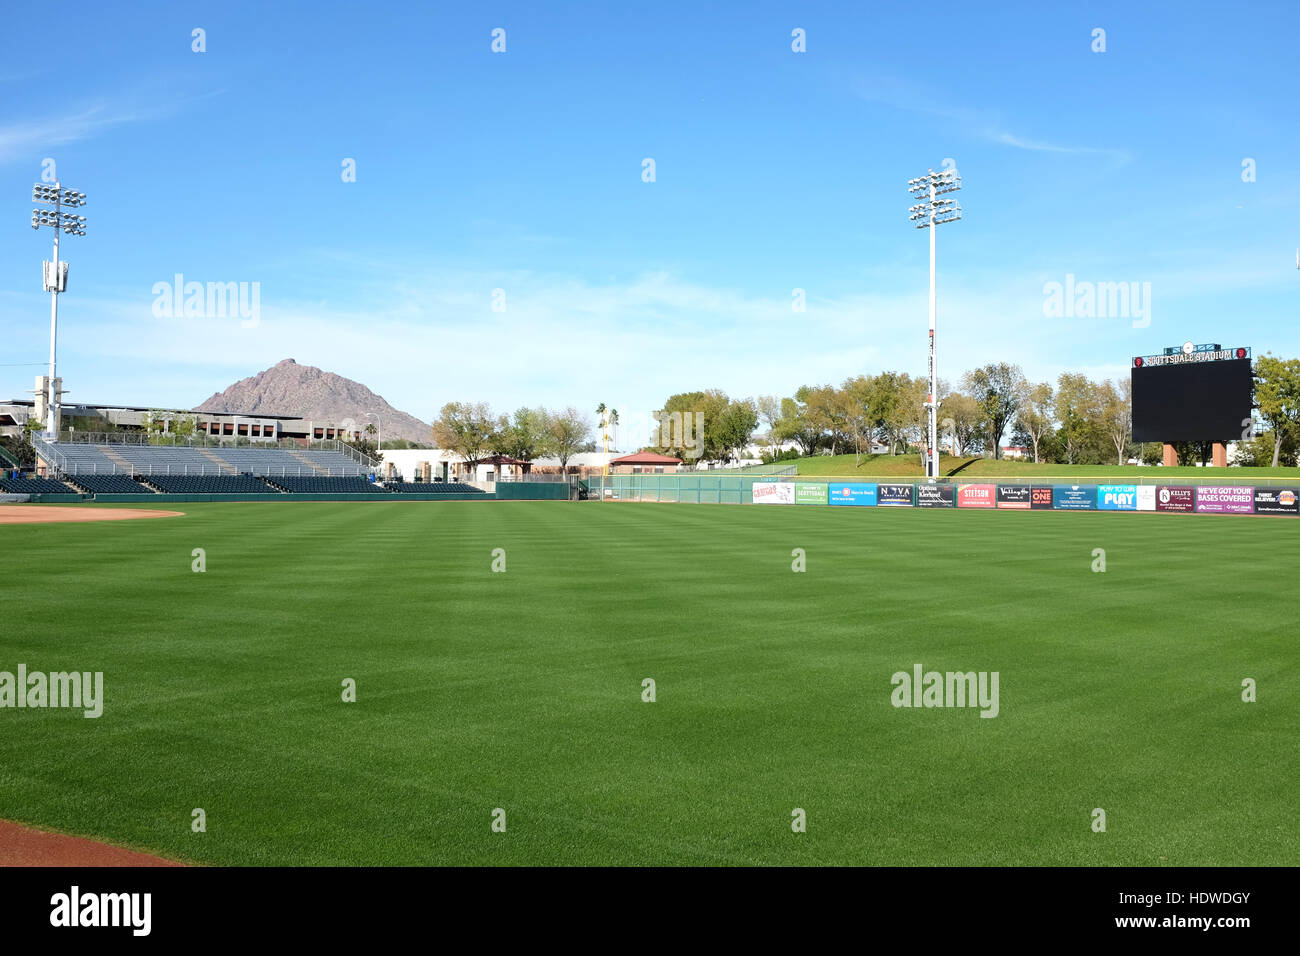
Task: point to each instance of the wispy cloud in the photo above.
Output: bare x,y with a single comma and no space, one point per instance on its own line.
975,123
22,139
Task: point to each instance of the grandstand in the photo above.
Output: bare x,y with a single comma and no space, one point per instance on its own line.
34,486
132,458
324,485
210,484
108,485
432,488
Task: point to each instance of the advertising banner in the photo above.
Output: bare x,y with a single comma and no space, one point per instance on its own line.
1040,497
1117,497
936,496
976,496
1146,497
809,493
1015,496
894,496
773,493
853,493
1175,498
1225,499
1074,497
1277,501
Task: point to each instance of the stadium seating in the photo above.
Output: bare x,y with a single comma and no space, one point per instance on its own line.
109,485
272,460
323,485
210,485
432,488
277,461
35,486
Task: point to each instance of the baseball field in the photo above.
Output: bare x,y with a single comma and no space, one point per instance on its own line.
517,696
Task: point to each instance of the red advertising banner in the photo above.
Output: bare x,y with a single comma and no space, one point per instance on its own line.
1175,498
977,496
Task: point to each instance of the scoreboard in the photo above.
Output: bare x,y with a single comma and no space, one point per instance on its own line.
1193,393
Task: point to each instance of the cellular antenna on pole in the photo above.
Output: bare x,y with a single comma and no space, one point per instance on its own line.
930,213
56,275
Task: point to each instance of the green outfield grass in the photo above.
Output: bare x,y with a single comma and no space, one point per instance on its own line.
522,690
896,466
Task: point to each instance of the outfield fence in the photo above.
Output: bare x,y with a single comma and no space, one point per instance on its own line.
1280,497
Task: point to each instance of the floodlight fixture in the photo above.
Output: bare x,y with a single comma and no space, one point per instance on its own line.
56,273
930,213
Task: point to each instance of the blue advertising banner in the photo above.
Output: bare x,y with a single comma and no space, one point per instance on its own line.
1075,497
1117,497
853,493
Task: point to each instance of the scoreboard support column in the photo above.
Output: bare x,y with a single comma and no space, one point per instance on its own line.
1170,457
1219,455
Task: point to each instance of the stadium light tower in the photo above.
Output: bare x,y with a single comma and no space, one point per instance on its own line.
56,272
930,213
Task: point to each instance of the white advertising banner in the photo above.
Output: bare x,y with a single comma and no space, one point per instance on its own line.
773,493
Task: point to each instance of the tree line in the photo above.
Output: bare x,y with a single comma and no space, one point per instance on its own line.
473,431
1074,420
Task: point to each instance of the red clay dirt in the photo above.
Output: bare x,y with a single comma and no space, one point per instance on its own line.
23,846
50,514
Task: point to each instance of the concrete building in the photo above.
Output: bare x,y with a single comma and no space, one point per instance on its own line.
645,463
86,417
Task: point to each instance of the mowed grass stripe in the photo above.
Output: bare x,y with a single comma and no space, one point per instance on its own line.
522,690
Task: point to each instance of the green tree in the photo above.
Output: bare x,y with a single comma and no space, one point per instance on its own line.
1000,389
965,420
1116,414
1277,393
569,431
793,425
727,425
1077,407
527,435
1035,415
466,428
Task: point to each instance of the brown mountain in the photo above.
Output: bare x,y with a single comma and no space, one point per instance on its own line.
288,388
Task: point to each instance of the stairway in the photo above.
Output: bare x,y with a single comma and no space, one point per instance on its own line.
117,459
221,463
309,463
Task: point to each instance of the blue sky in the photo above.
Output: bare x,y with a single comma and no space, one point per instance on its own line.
522,171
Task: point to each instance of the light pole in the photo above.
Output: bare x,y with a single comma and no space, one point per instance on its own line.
930,213
56,273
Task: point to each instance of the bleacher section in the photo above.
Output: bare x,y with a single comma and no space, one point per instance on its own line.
109,485
125,459
87,459
322,485
276,462
35,486
433,488
210,484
